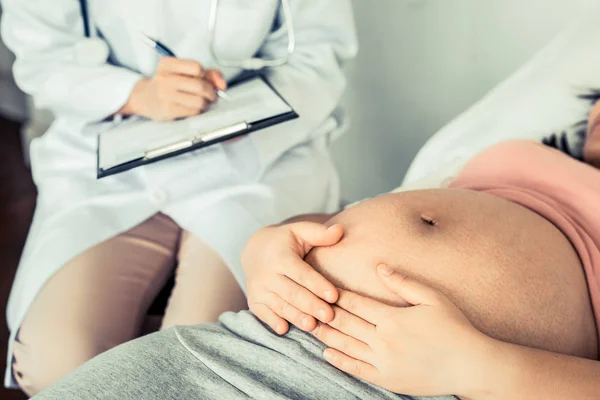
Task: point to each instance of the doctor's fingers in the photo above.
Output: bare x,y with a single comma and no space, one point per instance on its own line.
215,77
191,101
193,86
178,66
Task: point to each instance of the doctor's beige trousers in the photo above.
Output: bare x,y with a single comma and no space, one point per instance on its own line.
100,299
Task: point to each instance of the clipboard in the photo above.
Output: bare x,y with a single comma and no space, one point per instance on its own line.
253,105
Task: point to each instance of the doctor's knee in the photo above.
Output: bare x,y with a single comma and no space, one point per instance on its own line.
41,361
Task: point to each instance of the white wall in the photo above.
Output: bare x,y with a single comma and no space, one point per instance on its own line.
421,63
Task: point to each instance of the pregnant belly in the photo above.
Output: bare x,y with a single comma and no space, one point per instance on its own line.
513,273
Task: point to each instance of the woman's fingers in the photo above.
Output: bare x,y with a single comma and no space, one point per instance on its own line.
343,343
304,275
353,326
320,288
368,309
311,234
352,366
302,299
409,289
269,317
289,312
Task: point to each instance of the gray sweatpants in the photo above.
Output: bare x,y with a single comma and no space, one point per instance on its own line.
237,358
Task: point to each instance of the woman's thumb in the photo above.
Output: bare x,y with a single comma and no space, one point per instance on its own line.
314,234
409,289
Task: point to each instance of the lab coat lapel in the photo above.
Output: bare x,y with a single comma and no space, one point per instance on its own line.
152,24
242,27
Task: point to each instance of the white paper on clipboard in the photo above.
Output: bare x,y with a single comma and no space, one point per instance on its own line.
249,101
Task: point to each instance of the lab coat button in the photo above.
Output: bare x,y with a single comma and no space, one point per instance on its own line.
160,196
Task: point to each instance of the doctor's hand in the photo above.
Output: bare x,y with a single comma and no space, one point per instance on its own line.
427,349
179,89
281,286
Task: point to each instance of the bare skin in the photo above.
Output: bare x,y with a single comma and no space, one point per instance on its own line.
178,89
591,151
463,270
445,287
490,267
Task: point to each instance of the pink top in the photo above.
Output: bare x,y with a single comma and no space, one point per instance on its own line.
561,189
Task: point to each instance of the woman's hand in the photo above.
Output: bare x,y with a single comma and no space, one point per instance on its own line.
179,88
428,349
281,286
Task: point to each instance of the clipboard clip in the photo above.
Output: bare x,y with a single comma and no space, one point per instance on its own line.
207,137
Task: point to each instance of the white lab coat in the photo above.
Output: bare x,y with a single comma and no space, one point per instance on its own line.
221,194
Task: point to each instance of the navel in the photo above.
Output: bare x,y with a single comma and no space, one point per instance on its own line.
429,219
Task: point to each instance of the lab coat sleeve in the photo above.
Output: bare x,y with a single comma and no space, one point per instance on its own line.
44,36
313,81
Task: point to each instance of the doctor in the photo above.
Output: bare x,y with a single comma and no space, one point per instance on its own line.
99,251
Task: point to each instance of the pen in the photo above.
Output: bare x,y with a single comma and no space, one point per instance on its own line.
166,52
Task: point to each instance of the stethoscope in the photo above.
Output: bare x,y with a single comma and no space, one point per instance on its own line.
95,51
